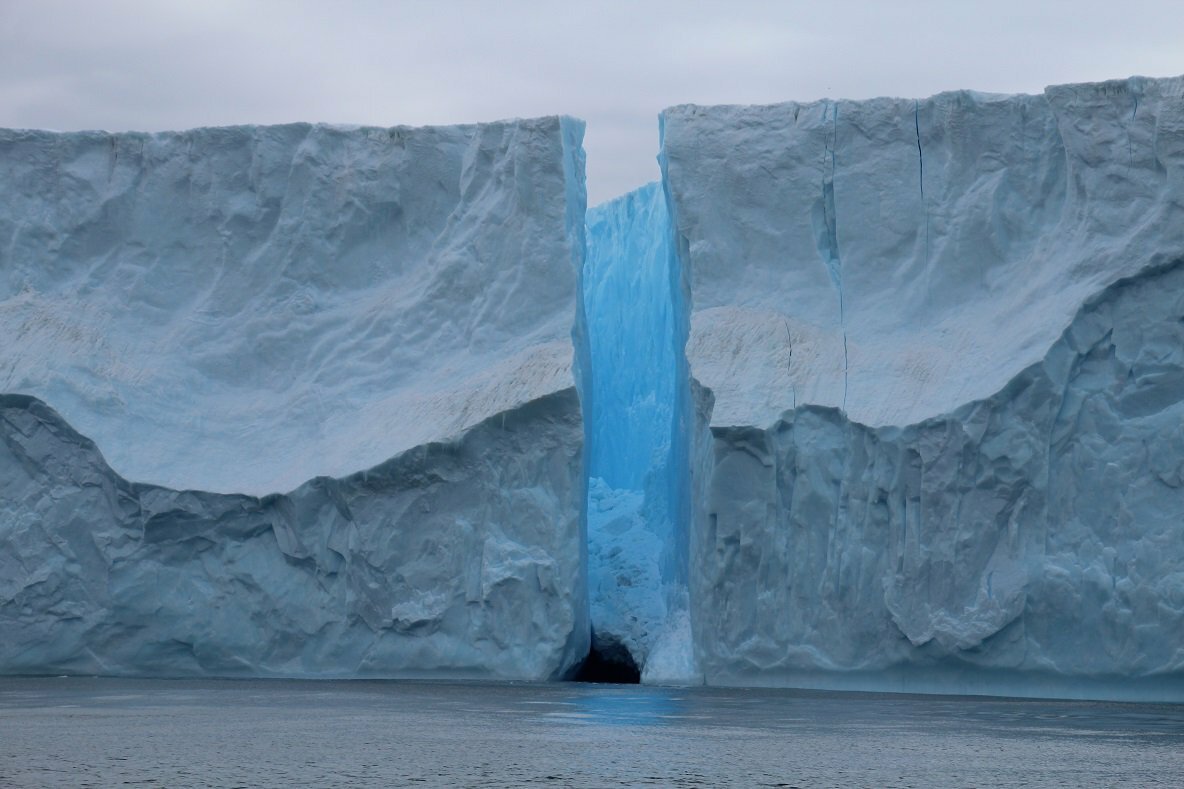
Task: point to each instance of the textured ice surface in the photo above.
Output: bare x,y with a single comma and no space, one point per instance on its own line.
454,558
242,309
636,323
1036,531
376,320
901,258
927,433
626,592
945,445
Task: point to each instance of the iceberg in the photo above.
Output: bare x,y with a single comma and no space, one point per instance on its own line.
882,395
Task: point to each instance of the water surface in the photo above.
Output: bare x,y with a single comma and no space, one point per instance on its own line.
180,733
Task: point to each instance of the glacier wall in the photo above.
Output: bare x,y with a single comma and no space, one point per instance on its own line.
380,322
940,344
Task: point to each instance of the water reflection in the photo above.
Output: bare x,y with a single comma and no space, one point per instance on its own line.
627,706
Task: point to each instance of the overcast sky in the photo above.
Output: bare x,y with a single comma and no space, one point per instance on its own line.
159,65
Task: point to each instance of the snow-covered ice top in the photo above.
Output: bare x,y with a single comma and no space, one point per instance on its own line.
242,309
900,258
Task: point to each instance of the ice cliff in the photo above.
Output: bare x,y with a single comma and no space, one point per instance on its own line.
945,348
336,364
883,394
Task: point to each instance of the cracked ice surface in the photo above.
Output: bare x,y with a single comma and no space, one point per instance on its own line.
636,526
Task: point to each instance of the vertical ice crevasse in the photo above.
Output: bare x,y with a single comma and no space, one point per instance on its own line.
921,177
636,557
826,232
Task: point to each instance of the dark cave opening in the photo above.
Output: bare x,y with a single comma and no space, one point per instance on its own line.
608,661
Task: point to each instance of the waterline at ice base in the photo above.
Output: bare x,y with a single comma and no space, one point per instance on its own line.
879,395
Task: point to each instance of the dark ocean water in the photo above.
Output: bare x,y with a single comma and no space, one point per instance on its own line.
108,732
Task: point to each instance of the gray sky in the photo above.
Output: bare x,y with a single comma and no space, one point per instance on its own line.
168,65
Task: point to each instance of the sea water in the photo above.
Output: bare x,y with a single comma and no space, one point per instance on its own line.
181,733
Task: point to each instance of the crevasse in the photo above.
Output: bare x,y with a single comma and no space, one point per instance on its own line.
636,326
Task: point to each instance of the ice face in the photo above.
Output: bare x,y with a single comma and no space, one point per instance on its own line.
942,340
377,321
633,338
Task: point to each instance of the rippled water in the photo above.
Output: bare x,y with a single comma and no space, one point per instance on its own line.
104,732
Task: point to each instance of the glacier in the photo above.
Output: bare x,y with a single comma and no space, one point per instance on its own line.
880,395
